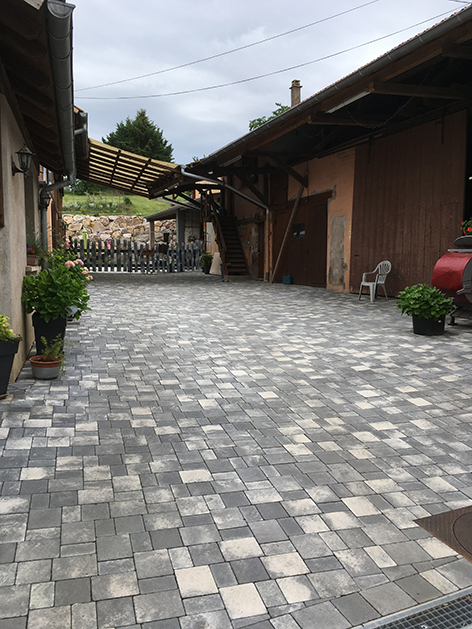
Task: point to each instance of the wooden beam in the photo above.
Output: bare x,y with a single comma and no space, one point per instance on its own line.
457,52
422,91
245,181
291,172
328,119
287,231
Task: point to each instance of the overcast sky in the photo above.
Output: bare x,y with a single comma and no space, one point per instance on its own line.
117,40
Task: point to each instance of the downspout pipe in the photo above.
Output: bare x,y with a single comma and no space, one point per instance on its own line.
223,184
59,27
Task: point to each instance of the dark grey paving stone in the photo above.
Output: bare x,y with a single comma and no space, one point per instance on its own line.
72,591
13,623
116,612
158,606
356,609
14,601
7,552
418,588
114,547
322,615
166,538
249,570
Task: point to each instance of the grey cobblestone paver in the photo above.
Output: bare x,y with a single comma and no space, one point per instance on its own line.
230,455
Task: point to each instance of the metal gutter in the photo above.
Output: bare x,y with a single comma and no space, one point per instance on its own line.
412,44
59,28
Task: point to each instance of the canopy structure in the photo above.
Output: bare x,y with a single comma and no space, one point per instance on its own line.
115,168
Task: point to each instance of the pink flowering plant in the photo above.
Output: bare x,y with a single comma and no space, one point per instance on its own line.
54,290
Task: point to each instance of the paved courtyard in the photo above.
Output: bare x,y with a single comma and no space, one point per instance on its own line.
228,455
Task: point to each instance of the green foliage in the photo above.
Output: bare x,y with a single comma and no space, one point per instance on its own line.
36,244
6,333
466,227
107,204
140,136
54,350
96,208
424,301
206,259
55,289
80,188
258,122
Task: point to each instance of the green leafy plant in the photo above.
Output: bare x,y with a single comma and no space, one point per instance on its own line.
466,227
53,351
36,245
6,333
206,259
55,289
424,301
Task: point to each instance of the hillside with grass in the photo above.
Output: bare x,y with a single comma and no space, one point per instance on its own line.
110,202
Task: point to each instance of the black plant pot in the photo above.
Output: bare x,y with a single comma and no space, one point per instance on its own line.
428,327
206,268
8,350
49,329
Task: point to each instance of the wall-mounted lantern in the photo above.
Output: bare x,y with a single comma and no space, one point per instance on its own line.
24,159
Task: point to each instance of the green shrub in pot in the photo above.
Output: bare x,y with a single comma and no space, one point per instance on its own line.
428,307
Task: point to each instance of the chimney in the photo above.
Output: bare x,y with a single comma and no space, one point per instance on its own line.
296,90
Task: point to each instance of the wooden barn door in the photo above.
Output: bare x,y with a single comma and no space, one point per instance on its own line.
305,251
408,201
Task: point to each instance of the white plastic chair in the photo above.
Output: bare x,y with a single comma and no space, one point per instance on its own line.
381,271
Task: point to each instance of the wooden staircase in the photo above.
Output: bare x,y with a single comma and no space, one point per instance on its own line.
229,244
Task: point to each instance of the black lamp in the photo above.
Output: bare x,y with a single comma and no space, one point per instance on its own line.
24,159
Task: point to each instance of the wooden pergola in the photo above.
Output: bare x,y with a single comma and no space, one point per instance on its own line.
115,168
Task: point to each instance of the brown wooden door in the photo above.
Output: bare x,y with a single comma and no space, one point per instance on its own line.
304,255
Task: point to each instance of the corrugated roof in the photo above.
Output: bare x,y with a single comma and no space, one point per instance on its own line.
115,168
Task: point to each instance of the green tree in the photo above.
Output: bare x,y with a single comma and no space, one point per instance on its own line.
258,122
80,188
140,136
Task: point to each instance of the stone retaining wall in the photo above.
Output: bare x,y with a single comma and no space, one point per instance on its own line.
134,228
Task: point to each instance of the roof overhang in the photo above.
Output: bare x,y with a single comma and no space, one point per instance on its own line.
115,168
36,77
423,79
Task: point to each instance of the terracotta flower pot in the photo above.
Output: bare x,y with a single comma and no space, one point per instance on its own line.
45,370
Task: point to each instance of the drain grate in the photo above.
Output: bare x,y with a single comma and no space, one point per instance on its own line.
448,613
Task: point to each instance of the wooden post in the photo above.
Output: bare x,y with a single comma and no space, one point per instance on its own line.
287,231
152,234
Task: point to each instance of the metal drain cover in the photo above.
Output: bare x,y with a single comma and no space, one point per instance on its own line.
454,528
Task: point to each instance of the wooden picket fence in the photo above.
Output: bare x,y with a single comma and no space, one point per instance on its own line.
127,256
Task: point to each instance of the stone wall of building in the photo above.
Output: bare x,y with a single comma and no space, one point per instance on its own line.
134,228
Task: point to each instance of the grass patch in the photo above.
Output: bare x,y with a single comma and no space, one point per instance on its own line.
110,204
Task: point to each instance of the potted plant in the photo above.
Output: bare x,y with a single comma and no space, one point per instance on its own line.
206,262
428,307
53,293
466,239
46,366
35,249
148,251
9,342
